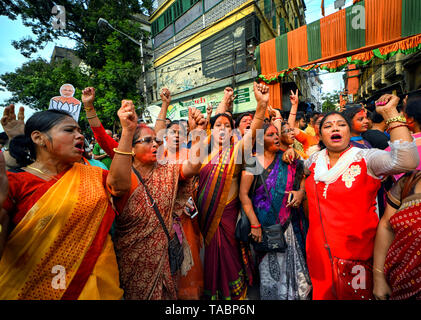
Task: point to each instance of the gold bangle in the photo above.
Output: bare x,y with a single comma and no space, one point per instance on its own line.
124,153
396,119
378,270
92,117
161,119
259,118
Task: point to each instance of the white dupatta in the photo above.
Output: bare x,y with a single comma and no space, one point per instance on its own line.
323,174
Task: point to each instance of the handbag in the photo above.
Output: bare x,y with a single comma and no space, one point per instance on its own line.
351,279
175,248
243,227
273,238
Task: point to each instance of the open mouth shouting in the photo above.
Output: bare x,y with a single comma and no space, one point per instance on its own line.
80,147
336,137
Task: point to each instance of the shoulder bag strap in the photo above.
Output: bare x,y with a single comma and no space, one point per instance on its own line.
327,247
155,207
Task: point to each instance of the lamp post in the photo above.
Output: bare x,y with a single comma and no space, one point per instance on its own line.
103,22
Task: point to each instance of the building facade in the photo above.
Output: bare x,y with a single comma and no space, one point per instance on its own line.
400,74
202,46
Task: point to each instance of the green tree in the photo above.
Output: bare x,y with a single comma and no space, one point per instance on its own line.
113,60
330,101
37,81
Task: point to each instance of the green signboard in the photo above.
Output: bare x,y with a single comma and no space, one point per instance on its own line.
244,102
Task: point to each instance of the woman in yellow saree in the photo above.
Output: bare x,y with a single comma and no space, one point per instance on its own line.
57,214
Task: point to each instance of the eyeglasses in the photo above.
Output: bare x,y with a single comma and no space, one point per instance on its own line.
148,140
286,131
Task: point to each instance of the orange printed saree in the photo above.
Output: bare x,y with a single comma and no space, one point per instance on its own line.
61,249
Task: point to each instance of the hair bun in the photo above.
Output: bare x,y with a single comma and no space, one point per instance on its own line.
20,149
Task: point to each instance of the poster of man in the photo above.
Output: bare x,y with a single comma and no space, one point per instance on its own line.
66,101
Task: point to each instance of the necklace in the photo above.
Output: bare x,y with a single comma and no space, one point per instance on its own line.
42,172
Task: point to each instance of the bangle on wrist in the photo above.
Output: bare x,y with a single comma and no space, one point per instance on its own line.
394,127
124,153
255,226
259,118
158,119
91,117
378,270
396,119
293,114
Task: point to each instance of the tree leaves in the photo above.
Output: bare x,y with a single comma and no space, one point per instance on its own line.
113,60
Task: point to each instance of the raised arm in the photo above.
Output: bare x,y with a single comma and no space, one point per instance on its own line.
119,177
403,156
12,126
106,142
293,98
160,124
198,150
227,100
261,93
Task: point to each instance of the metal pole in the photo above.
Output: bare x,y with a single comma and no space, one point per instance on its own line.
143,72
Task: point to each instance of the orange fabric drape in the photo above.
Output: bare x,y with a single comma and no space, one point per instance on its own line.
406,44
275,95
383,20
335,64
297,47
333,34
268,56
268,59
353,80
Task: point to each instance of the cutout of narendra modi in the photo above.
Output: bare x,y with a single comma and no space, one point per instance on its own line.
66,101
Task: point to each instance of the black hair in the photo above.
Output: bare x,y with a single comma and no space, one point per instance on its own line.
350,112
4,137
321,144
413,107
214,118
299,116
238,120
172,123
21,147
375,117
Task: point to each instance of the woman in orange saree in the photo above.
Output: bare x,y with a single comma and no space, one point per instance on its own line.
58,213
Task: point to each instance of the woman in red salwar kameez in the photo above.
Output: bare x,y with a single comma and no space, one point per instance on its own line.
341,191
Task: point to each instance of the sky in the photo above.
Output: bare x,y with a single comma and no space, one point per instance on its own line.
10,58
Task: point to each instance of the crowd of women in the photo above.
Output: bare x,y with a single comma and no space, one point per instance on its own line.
211,207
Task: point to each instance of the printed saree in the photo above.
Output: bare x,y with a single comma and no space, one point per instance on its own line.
403,259
140,241
283,276
218,206
63,236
